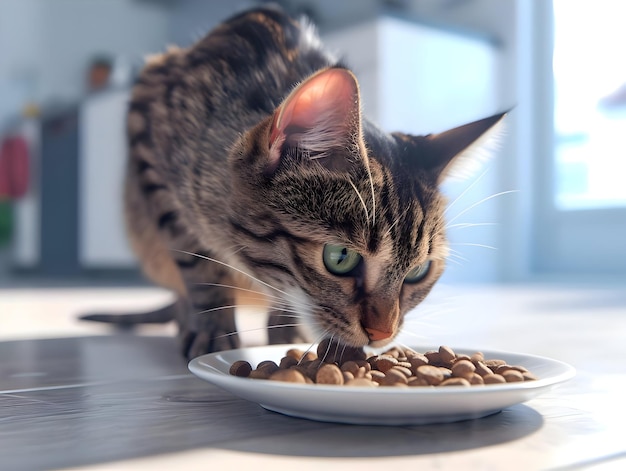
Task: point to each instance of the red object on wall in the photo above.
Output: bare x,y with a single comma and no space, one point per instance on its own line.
14,168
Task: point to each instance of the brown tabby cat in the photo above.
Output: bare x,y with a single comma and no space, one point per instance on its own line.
253,171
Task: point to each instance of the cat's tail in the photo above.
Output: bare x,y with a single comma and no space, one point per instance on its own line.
128,320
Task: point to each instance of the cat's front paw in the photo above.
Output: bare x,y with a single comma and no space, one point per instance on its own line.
196,343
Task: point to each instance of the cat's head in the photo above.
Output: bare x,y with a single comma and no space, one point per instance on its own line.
344,221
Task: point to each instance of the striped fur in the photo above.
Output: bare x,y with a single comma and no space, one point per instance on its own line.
202,179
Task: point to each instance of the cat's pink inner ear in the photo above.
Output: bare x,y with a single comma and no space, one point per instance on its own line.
320,110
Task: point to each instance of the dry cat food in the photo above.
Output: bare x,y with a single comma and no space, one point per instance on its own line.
340,365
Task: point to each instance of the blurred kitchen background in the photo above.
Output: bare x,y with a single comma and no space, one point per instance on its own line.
550,205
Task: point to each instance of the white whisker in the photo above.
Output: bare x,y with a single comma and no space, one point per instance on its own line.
474,245
464,225
472,185
236,269
481,202
238,288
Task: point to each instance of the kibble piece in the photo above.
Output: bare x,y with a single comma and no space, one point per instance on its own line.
351,366
287,361
260,374
475,379
402,369
361,372
447,372
494,379
432,374
392,377
347,376
377,376
240,368
433,358
290,375
482,369
477,356
461,356
295,353
528,376
329,374
513,376
267,364
493,364
416,361
361,382
463,369
384,363
455,382
417,381
446,354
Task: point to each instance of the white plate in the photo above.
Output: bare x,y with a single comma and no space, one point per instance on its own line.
382,405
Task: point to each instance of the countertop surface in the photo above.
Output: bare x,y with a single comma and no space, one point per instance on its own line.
77,395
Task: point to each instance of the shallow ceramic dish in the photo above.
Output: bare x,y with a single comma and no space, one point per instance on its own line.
381,405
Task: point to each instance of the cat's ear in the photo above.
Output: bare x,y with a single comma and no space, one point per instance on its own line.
457,153
321,114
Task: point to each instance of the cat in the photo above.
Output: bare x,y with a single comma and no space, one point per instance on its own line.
252,172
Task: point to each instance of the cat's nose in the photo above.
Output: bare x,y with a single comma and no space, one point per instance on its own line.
375,334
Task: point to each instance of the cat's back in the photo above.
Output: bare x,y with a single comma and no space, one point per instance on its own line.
204,96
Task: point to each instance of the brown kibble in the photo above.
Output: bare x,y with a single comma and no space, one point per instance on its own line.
361,372
351,366
267,364
528,376
477,356
394,352
361,382
475,379
432,374
287,362
463,369
240,368
455,382
260,374
402,369
494,379
329,374
416,381
295,353
493,364
513,376
447,372
446,354
501,369
396,367
462,356
289,376
377,376
416,361
433,358
482,369
392,377
385,363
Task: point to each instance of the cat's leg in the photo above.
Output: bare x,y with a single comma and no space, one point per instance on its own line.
283,327
208,323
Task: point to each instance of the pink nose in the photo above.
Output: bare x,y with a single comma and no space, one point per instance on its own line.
375,334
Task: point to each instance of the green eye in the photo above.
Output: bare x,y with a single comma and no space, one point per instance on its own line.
340,260
418,273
